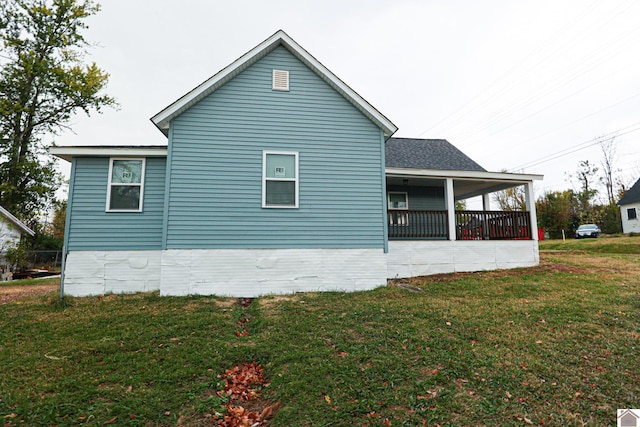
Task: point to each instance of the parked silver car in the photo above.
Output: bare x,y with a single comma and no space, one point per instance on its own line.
587,230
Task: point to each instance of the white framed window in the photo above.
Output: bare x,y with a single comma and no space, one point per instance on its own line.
280,80
279,179
397,205
125,188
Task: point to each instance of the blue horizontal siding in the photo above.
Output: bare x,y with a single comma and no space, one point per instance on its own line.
91,228
422,198
215,186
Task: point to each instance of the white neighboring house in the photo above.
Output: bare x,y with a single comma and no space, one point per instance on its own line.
630,209
11,231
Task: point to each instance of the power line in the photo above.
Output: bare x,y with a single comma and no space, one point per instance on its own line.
580,119
540,47
559,50
577,147
570,74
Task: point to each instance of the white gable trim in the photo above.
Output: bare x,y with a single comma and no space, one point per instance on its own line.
280,38
16,221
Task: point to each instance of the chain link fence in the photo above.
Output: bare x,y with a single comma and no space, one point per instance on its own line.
44,260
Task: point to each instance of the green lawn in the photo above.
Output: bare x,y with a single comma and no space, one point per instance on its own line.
554,345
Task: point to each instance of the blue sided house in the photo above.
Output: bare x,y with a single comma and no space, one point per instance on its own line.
277,177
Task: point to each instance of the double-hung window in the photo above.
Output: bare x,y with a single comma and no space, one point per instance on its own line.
631,213
126,185
279,179
397,205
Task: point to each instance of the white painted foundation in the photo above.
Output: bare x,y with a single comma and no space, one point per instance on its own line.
423,257
118,272
255,272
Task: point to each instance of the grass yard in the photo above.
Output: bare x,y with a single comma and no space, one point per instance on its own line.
552,345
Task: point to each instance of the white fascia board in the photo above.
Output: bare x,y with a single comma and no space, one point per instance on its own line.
16,221
164,117
471,175
67,153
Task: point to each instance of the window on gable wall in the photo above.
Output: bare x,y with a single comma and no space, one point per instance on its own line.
126,185
279,179
631,213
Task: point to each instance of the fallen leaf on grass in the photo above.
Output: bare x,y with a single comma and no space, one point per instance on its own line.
239,379
111,421
327,399
55,357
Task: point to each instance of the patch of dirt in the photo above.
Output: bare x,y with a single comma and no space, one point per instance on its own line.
271,300
10,294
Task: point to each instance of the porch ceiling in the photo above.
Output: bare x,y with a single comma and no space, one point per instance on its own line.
463,188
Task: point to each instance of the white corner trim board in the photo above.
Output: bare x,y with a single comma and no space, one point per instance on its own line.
255,272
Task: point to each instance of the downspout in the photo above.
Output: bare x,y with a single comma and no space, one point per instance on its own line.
67,222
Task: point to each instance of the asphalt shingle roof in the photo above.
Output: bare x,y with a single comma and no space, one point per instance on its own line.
632,195
438,154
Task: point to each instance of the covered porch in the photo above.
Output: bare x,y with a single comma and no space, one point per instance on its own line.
421,205
428,235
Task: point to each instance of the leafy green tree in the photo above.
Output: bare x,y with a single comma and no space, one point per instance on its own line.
558,211
609,219
59,218
43,83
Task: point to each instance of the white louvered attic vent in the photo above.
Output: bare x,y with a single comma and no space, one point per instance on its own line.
280,80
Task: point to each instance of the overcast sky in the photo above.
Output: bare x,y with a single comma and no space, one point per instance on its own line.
507,82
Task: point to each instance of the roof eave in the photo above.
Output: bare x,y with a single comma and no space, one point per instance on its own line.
164,117
67,153
438,173
16,221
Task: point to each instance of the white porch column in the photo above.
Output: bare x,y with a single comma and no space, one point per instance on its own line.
486,202
451,208
531,207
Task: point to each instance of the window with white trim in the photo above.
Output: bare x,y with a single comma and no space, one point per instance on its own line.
397,205
126,185
279,179
631,213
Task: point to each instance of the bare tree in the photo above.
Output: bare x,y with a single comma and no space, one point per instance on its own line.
511,199
608,147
